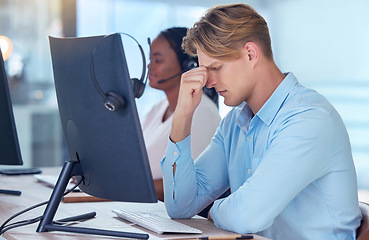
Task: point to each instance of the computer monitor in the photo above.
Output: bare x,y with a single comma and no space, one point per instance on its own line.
106,148
9,146
10,153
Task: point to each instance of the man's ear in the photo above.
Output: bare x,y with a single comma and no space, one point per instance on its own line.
252,51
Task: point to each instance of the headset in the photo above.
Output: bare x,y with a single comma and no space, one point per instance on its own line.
114,101
187,65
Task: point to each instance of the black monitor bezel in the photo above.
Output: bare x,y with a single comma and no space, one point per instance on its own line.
9,143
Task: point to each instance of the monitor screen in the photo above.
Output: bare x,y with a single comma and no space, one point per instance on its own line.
108,145
9,146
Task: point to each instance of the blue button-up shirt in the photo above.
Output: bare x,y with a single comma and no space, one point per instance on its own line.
289,169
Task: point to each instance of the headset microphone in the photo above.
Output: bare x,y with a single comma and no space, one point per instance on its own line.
187,65
169,78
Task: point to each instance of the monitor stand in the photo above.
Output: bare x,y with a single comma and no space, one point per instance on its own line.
20,171
70,169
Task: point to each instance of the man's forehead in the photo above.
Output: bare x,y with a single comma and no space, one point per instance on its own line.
205,60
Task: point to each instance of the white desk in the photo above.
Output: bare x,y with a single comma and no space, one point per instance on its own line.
34,192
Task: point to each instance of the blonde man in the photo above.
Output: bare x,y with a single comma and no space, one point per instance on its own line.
283,151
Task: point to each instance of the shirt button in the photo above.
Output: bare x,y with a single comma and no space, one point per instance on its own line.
175,153
249,171
172,183
248,138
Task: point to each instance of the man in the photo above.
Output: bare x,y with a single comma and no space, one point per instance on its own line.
283,151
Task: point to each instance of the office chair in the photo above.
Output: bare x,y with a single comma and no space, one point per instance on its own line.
363,230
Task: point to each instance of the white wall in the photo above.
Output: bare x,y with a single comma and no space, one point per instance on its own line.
322,40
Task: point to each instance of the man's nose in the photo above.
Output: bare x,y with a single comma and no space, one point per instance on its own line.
211,81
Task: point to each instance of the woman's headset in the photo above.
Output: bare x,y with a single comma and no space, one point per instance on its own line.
112,99
189,64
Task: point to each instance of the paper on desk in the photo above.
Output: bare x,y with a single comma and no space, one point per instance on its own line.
76,196
50,181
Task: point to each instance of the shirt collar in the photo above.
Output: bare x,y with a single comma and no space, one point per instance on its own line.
271,107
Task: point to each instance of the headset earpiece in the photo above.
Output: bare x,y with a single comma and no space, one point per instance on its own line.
189,64
113,100
138,87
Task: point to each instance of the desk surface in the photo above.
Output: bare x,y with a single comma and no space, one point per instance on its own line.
34,192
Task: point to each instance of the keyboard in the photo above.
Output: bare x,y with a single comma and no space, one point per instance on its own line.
155,222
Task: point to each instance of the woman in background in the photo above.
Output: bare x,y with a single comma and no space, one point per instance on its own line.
168,62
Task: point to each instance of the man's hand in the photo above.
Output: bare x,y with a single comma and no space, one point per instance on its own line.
189,98
190,92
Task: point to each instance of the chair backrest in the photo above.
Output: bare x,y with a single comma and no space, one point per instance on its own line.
363,230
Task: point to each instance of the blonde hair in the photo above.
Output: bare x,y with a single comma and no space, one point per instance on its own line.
224,30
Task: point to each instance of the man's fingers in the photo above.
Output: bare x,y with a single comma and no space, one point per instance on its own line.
199,75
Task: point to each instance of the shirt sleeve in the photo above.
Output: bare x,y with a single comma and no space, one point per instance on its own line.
297,153
194,184
205,121
179,154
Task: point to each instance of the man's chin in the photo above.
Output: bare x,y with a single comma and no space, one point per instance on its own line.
231,104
